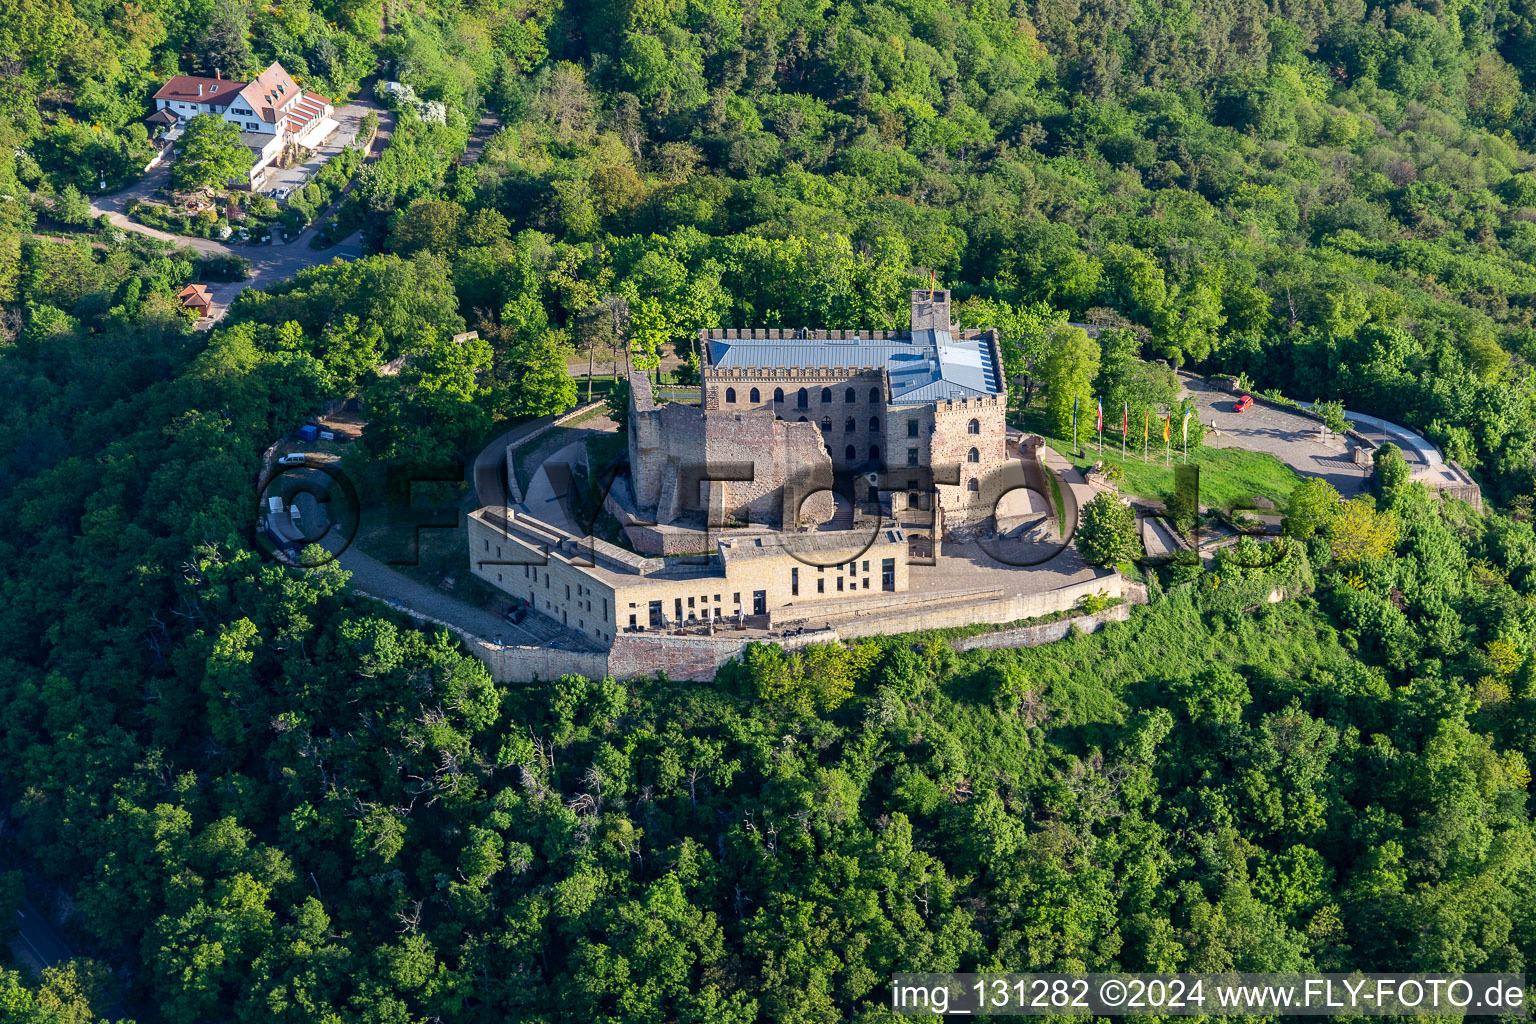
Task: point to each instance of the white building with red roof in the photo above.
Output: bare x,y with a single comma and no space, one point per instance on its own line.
272,112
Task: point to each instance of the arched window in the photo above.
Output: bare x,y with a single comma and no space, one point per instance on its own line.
730,396
874,453
850,453
826,423
974,427
973,456
973,485
874,394
802,419
849,426
874,424
778,394
848,396
826,394
803,399
757,396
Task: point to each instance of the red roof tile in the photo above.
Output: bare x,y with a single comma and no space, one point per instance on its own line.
184,88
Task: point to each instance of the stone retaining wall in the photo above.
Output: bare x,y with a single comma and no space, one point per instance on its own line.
1002,609
1049,632
514,489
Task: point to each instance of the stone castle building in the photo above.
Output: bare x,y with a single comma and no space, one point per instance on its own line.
908,419
907,426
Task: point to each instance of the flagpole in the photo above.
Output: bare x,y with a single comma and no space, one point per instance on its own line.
1146,434
1074,426
1125,427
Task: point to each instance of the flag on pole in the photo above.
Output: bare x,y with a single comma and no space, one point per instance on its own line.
1101,425
1186,435
1125,427
1167,427
1146,426
1074,423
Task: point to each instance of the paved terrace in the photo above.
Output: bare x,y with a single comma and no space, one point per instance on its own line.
1292,437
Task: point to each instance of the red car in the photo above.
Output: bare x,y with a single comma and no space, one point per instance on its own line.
1243,403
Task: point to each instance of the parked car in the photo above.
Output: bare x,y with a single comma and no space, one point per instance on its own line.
281,192
516,615
293,459
1243,403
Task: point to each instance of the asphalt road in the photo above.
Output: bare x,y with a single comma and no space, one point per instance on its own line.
1291,437
38,944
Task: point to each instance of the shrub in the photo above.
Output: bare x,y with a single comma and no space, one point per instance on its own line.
1106,531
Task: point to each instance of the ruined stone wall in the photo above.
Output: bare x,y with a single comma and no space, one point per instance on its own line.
789,466
674,448
832,396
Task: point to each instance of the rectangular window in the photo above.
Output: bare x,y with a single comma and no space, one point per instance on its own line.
736,598
821,586
866,565
839,583
655,614
690,602
866,582
911,456
911,428
888,574
794,583
631,622
759,602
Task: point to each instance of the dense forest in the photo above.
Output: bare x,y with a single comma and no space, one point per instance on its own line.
260,798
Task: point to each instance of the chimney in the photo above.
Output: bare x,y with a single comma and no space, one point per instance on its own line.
217,73
199,88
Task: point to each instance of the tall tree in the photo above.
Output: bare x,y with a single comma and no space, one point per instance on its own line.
1071,362
210,154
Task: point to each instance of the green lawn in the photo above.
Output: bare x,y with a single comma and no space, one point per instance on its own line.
1227,475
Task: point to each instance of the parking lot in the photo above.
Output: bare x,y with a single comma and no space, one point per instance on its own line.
1292,437
349,118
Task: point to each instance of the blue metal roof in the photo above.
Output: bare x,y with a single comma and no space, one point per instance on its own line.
926,366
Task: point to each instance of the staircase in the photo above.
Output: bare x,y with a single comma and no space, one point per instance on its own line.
842,515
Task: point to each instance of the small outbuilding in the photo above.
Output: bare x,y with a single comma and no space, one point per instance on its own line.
197,297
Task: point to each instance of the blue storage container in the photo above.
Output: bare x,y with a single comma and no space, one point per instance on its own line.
308,432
